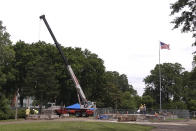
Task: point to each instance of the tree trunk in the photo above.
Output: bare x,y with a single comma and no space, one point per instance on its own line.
21,101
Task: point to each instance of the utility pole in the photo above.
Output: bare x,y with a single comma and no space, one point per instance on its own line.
16,105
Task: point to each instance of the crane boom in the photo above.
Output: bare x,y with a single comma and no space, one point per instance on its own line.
83,100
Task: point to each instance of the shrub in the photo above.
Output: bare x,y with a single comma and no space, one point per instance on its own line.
21,113
12,113
3,116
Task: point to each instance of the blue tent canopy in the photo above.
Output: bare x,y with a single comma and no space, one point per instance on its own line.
76,106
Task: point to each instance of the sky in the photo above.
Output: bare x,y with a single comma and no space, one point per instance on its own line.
124,33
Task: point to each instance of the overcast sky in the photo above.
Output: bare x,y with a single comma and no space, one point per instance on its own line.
124,33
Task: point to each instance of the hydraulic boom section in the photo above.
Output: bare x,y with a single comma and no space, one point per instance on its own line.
81,97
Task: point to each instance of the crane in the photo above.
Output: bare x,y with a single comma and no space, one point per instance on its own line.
84,103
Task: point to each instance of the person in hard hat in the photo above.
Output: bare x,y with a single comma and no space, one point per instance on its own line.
27,112
35,111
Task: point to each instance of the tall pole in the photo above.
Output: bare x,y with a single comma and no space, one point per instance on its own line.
194,21
16,105
160,76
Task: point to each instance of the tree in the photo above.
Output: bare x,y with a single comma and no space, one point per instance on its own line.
148,101
23,59
92,76
116,94
171,79
28,58
187,17
128,101
192,105
42,78
4,107
190,88
41,73
6,71
89,70
6,53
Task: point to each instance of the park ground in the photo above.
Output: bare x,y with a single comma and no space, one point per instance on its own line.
86,124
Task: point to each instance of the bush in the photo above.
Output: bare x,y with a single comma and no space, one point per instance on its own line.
4,107
3,115
21,113
12,113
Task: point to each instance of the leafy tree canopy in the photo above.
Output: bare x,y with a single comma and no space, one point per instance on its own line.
6,70
186,15
171,83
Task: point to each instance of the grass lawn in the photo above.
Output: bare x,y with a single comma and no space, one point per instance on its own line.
73,126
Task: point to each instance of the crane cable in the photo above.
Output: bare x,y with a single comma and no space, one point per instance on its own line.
39,30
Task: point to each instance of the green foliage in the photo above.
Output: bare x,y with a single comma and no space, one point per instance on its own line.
175,105
189,90
138,101
191,85
4,35
148,101
6,56
192,105
41,77
6,70
185,15
20,114
171,83
4,107
6,53
37,70
117,92
42,73
3,116
128,101
178,88
186,19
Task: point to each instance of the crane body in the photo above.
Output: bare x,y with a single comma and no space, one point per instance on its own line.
85,105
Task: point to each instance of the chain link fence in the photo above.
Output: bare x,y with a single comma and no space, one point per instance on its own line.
193,114
109,113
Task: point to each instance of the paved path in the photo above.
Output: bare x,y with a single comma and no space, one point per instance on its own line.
171,126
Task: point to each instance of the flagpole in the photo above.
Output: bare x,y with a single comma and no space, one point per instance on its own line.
160,76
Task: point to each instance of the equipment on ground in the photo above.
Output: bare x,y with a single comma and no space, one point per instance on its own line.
85,105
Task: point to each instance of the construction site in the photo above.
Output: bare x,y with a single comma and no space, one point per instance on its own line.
85,108
109,65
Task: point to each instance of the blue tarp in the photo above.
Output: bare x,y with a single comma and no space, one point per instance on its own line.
76,106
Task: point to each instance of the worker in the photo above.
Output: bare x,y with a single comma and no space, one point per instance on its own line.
35,111
141,109
27,112
144,109
138,111
156,114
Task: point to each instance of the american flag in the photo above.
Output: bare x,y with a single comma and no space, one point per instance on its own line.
164,46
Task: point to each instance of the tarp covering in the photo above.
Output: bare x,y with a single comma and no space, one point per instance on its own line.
76,106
